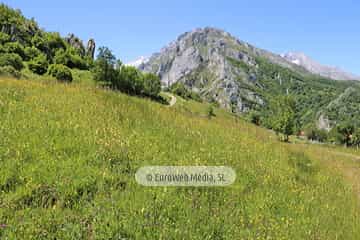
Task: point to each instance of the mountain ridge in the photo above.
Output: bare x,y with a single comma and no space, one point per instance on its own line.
240,77
315,67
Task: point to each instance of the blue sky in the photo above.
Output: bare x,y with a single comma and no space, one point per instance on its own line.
328,31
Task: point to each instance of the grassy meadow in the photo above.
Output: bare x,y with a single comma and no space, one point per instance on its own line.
69,152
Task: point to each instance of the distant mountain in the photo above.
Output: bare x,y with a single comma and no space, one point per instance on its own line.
243,78
138,62
314,67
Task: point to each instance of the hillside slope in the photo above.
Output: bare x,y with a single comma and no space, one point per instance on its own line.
241,77
68,156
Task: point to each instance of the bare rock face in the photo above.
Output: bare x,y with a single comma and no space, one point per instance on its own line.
205,61
76,43
324,123
90,48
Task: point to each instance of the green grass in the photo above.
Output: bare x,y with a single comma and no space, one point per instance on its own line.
68,156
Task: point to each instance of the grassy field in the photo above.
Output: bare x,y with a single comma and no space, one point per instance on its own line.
68,156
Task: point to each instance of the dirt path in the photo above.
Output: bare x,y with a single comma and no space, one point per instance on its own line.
172,100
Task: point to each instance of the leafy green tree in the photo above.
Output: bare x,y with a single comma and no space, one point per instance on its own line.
39,64
54,42
316,134
130,80
104,66
70,58
40,43
345,131
152,85
15,47
11,59
356,138
255,118
31,53
4,38
283,116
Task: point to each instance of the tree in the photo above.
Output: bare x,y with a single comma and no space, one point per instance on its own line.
11,59
345,131
282,116
130,80
316,134
152,85
255,118
104,67
70,58
31,53
39,64
356,138
15,47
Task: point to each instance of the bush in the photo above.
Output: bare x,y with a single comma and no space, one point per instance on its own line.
129,80
60,72
152,85
9,71
4,38
180,90
31,53
345,131
210,112
11,59
40,43
15,47
315,134
39,64
70,59
255,118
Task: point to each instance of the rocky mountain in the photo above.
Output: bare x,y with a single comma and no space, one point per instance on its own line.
314,67
215,64
241,77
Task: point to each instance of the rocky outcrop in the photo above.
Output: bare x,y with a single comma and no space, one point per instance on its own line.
324,123
76,43
207,61
90,48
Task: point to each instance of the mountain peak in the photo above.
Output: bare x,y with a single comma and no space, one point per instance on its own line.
301,59
138,62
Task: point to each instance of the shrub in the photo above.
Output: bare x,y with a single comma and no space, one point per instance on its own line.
15,47
210,112
282,116
152,85
9,71
60,72
40,43
255,118
11,59
315,134
70,59
180,90
39,64
4,38
345,131
129,80
31,53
